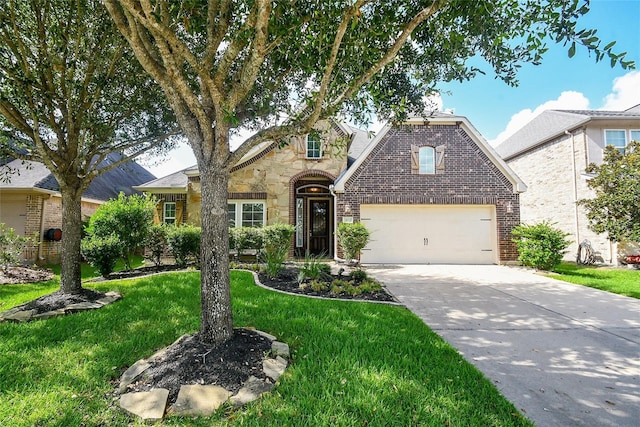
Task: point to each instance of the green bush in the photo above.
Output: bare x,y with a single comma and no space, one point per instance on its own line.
157,242
245,238
312,268
102,252
129,218
358,275
184,244
11,246
540,245
277,242
352,238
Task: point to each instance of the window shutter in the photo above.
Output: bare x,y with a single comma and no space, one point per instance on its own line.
179,209
415,164
157,213
440,159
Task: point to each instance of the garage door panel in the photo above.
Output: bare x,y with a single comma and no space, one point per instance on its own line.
430,234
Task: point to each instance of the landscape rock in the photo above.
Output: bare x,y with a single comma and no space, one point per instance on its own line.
273,368
132,373
280,349
199,400
148,405
252,390
19,316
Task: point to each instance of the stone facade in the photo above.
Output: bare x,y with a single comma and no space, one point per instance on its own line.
556,180
469,177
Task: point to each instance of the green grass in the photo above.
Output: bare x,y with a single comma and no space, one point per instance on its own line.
88,272
623,281
352,364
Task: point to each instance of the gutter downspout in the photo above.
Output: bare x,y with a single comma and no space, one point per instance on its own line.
335,224
575,185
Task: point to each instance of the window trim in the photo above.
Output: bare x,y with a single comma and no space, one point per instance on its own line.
164,212
625,132
319,149
238,211
427,168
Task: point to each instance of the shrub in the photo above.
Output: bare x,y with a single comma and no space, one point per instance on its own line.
318,286
540,245
184,244
102,252
312,268
358,275
11,246
129,218
245,238
277,242
157,242
370,285
352,238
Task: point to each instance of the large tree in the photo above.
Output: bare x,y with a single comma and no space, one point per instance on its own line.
71,92
279,66
615,209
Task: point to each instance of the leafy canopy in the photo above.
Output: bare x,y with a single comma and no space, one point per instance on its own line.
615,209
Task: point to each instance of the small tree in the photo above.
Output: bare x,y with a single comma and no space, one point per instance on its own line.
615,209
157,243
129,218
11,246
540,245
353,238
277,242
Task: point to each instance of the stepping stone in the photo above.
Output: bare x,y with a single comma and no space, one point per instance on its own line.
148,405
199,400
252,389
280,349
273,368
132,373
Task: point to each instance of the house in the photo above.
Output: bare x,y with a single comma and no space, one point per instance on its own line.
31,203
551,153
430,191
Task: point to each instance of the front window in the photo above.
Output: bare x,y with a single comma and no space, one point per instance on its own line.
231,207
617,138
426,159
169,214
314,146
635,135
252,214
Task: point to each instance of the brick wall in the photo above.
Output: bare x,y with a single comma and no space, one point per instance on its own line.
554,184
470,178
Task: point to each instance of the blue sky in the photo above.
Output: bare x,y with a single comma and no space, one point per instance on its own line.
560,82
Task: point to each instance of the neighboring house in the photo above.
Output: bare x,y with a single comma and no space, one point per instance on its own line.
551,154
31,203
430,191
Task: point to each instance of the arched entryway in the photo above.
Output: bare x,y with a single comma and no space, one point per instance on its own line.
312,213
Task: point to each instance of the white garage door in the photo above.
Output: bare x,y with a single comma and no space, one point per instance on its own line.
430,234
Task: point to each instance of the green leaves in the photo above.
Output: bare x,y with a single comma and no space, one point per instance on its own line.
615,209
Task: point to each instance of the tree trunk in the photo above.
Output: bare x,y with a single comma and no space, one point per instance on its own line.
216,321
70,278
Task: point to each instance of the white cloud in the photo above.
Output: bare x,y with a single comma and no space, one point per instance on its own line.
175,160
626,93
568,100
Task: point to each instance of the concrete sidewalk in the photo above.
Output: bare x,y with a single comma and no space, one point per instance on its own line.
565,355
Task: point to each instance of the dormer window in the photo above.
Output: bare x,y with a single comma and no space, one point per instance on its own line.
314,146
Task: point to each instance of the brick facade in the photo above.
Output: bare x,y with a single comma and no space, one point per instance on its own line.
554,173
470,177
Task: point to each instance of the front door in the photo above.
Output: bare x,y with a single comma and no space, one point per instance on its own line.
319,227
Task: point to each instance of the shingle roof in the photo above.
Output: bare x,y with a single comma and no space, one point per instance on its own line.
177,180
552,123
104,187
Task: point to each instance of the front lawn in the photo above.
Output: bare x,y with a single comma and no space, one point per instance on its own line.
353,363
623,281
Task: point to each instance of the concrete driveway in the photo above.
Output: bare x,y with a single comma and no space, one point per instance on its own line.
565,355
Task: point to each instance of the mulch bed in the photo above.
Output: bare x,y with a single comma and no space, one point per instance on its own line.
17,275
287,281
189,361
